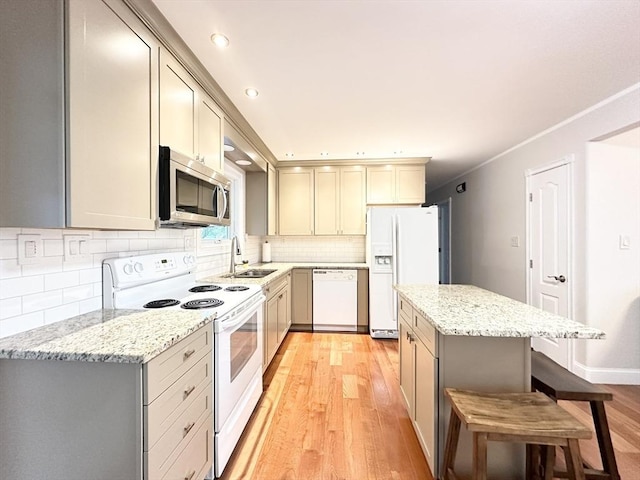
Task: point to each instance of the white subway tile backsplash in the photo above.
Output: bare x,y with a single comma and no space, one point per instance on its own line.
10,307
44,266
117,245
9,248
45,233
61,280
10,269
17,287
91,275
90,305
139,244
98,246
53,248
21,323
79,293
41,301
9,233
62,312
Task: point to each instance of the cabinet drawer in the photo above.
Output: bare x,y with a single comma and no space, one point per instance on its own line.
425,331
162,413
196,459
405,308
166,368
179,434
274,287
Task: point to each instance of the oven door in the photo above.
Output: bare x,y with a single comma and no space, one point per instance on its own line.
238,356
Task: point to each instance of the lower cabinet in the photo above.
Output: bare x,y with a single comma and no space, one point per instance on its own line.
79,420
419,378
277,316
301,299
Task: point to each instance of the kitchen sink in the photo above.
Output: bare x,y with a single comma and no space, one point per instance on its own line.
252,273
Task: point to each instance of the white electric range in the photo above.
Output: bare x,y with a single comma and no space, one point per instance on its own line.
167,281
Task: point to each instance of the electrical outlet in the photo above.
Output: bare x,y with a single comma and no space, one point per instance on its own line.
30,248
76,247
625,242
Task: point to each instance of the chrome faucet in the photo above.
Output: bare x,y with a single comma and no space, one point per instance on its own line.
235,250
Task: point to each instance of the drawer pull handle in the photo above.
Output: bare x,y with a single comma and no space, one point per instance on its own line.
188,353
189,391
190,476
187,429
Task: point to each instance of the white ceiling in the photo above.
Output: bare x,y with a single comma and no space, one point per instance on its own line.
460,81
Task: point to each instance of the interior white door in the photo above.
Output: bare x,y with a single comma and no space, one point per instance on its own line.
549,233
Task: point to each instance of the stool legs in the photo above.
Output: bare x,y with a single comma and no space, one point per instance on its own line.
549,458
604,439
480,456
573,459
451,446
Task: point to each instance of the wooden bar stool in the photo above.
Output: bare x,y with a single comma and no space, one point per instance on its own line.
560,384
511,417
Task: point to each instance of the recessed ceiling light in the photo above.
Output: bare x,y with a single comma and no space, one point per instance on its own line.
288,154
251,92
243,162
228,148
219,40
324,154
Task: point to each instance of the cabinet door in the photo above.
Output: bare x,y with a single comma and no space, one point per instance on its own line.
210,135
380,185
178,104
301,294
271,332
407,370
426,389
113,91
295,201
283,314
271,200
410,184
352,201
327,184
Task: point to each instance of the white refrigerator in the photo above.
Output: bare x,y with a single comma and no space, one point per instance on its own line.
402,248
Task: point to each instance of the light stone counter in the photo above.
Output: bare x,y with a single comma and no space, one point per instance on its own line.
117,336
280,270
471,311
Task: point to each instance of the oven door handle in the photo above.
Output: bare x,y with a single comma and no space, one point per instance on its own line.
227,324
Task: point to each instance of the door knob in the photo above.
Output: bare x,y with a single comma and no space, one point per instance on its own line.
560,278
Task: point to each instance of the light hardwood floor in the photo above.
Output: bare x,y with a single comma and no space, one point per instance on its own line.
332,409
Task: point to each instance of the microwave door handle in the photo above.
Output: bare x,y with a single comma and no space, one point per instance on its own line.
215,201
226,203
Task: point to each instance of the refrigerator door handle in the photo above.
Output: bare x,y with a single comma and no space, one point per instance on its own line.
394,265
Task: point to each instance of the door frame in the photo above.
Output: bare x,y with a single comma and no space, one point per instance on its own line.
444,234
567,161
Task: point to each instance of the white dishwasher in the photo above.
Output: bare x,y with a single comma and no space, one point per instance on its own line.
335,300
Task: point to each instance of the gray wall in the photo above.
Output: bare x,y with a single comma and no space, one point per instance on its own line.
493,210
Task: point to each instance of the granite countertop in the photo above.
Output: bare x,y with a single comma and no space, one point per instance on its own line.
118,336
471,311
280,270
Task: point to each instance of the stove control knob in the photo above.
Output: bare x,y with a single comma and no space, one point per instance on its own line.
189,259
128,269
138,267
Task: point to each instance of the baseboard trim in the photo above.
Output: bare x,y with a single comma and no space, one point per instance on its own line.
612,376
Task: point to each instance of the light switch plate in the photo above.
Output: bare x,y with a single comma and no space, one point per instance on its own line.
30,248
515,241
76,247
625,242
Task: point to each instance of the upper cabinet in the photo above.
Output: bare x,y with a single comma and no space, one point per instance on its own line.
295,201
396,184
84,156
340,201
190,121
261,202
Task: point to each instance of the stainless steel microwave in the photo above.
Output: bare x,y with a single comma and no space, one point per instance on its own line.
190,193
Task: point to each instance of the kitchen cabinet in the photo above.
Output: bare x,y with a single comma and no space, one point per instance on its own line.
418,377
190,121
261,202
71,419
295,201
277,316
301,299
396,184
80,146
340,202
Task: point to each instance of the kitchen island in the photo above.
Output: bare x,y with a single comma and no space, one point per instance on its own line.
462,336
